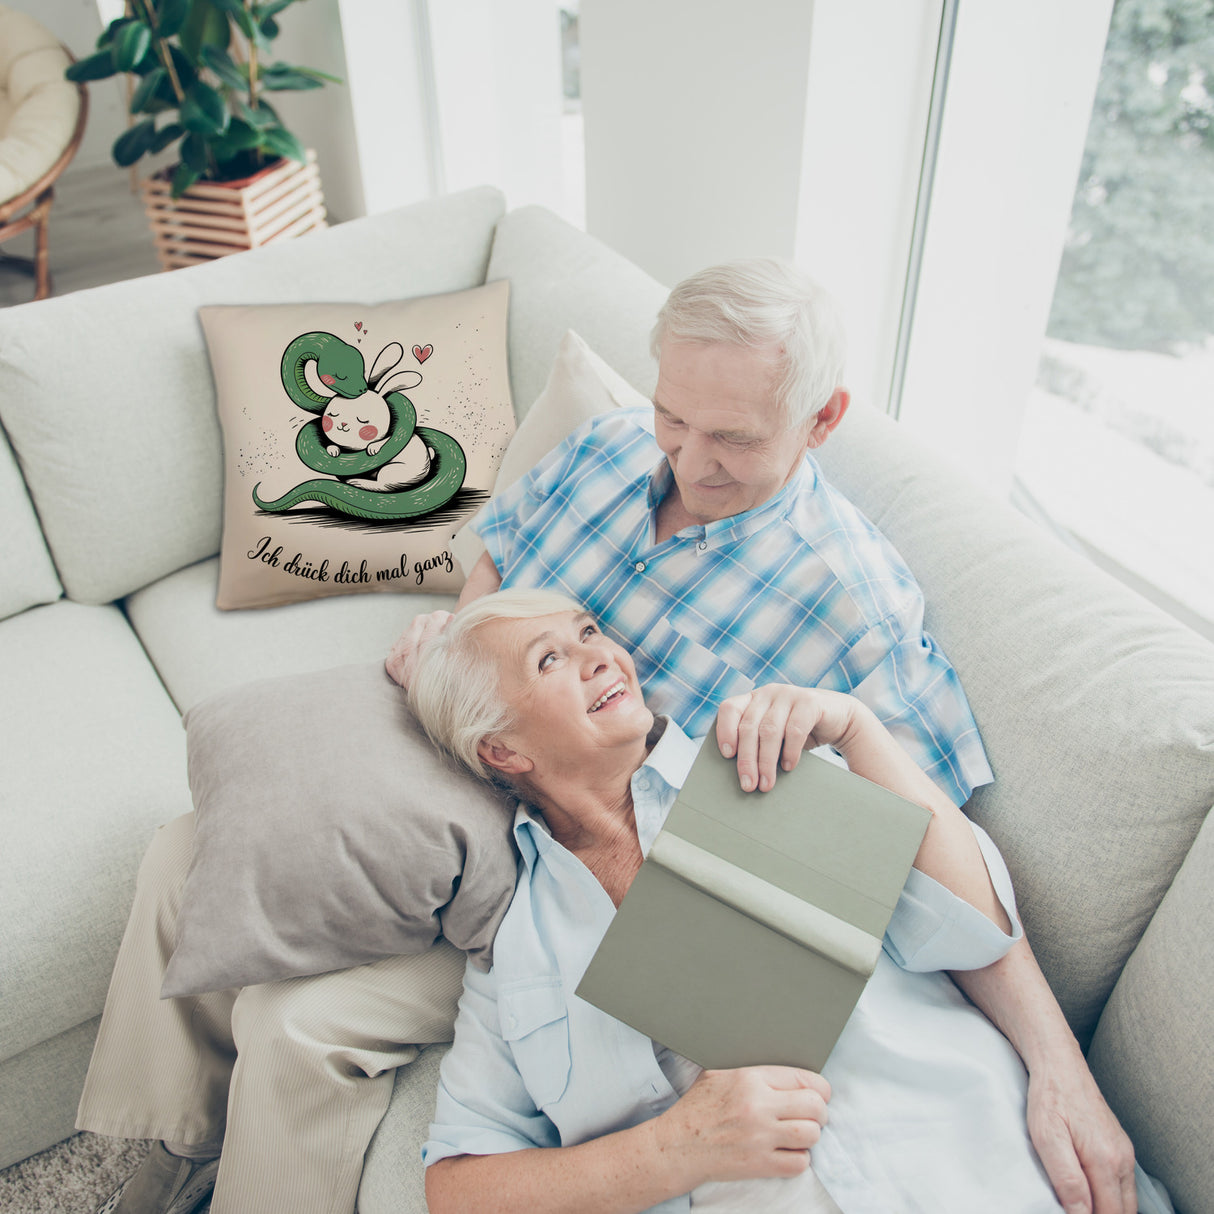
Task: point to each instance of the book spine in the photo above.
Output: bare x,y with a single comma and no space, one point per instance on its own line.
802,922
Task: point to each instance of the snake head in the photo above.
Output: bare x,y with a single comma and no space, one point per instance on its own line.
340,367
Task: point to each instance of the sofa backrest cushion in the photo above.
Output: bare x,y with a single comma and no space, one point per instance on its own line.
108,399
1096,709
27,575
1153,1054
561,279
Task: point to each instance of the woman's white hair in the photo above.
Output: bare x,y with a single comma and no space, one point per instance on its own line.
763,303
454,691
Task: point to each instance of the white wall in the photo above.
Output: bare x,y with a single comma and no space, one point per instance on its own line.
694,126
870,82
497,70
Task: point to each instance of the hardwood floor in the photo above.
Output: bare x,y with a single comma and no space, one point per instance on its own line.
98,234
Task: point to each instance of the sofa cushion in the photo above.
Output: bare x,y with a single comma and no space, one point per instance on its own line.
93,760
1152,1054
121,371
328,833
199,650
580,386
1097,711
356,477
29,576
562,279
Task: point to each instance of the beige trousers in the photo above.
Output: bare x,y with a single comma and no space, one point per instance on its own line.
293,1076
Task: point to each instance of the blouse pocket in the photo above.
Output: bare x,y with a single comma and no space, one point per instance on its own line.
535,1023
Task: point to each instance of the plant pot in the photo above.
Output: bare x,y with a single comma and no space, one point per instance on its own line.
215,218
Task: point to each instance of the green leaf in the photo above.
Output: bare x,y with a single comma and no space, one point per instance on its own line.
225,67
130,45
203,112
166,135
261,118
194,153
144,97
270,9
268,28
171,16
205,26
281,142
279,77
95,67
183,178
132,144
241,137
106,38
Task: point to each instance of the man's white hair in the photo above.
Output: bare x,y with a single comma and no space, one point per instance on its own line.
455,692
763,303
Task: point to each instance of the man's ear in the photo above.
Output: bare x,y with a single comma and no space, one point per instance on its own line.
829,416
494,753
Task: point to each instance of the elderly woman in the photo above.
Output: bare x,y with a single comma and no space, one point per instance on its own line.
547,1103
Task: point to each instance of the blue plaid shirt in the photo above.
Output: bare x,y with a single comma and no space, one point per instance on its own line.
802,589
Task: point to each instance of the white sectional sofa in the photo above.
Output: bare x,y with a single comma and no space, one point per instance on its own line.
1097,711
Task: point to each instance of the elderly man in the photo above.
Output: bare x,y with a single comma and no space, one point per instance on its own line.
704,538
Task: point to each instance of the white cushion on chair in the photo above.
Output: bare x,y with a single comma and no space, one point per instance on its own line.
38,106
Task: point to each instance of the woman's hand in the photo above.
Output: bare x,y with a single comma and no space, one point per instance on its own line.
755,1121
770,727
401,660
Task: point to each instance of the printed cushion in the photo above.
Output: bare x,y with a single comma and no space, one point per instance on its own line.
328,833
580,386
357,440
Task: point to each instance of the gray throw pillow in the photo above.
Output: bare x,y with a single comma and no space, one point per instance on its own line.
330,833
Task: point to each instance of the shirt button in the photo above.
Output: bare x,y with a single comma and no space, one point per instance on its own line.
702,545
639,566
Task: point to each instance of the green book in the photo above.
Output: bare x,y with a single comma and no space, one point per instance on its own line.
757,918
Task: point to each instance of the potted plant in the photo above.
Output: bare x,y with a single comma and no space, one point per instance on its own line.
201,71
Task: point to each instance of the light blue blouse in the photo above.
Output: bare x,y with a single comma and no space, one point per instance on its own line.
928,1104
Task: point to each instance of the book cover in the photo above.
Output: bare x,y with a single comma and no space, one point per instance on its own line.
755,921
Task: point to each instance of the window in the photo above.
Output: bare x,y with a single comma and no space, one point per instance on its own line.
1117,443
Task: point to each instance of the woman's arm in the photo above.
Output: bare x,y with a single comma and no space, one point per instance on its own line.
730,1125
769,728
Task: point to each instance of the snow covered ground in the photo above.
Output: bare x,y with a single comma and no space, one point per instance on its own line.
1093,460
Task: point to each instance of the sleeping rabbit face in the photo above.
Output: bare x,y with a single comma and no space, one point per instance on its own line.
354,424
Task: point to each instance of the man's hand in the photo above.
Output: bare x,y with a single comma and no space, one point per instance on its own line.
400,661
1087,1155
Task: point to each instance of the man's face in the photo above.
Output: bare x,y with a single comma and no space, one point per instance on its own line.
717,421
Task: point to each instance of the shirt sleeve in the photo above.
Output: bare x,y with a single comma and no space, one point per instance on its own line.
933,929
483,1107
906,679
502,522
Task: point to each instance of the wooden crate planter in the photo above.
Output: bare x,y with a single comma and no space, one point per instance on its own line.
215,218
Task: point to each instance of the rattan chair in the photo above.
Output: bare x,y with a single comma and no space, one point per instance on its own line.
42,117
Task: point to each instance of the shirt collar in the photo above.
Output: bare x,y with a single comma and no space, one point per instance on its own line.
738,526
655,785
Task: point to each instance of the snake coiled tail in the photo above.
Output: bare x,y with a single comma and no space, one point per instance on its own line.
449,467
340,367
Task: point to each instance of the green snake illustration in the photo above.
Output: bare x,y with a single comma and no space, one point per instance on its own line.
340,367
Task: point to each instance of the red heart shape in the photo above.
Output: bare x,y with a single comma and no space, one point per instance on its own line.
421,353
358,324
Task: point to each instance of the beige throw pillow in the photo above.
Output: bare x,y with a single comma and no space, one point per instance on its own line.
580,386
357,440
